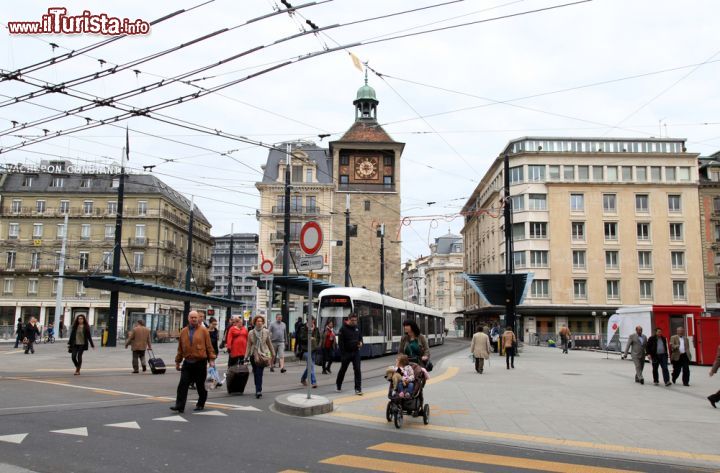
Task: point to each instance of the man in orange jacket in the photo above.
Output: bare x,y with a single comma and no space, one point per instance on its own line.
194,352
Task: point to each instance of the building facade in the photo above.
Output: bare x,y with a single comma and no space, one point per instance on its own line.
155,238
245,257
599,222
413,277
710,229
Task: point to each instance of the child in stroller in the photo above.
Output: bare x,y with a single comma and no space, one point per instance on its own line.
405,393
402,377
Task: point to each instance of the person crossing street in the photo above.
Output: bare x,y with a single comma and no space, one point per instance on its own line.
139,340
194,353
350,341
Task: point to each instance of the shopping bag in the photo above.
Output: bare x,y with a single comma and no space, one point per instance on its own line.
211,381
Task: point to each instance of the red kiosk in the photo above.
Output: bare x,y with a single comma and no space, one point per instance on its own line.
704,330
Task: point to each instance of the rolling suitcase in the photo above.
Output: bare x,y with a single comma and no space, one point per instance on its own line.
157,365
236,378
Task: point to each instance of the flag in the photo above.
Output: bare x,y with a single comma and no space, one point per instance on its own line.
356,61
127,143
613,326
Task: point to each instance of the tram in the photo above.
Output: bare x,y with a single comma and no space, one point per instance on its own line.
380,318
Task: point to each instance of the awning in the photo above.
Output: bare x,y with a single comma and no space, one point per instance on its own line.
491,287
297,285
142,288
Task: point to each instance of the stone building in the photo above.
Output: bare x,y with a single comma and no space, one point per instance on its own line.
245,256
710,229
413,277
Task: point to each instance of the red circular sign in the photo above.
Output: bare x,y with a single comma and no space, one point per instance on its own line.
311,238
266,266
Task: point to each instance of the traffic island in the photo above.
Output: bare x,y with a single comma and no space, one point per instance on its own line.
299,405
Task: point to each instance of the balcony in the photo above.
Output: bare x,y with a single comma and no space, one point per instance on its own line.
138,242
279,237
366,187
296,210
27,268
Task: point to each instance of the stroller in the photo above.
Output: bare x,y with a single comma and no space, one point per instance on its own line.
413,405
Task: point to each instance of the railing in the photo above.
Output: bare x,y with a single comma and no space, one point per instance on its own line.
296,209
138,242
280,237
27,268
367,187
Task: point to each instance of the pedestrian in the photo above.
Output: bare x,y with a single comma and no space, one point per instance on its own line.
509,341
350,341
19,331
636,345
304,353
495,336
214,334
30,334
139,339
564,338
78,341
195,352
414,344
329,344
680,356
237,339
278,337
657,348
715,398
61,331
298,324
260,351
480,349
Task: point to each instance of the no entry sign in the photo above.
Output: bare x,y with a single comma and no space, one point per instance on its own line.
311,238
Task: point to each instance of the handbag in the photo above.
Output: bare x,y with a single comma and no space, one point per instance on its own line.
260,359
429,366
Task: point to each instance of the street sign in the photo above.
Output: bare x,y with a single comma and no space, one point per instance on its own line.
308,263
266,266
311,238
266,277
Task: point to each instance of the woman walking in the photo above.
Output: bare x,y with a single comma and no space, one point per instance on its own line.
414,344
329,345
214,333
78,342
237,339
260,352
509,342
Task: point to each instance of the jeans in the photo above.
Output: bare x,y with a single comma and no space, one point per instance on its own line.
510,357
345,359
564,343
257,375
192,373
313,380
327,358
77,353
662,361
409,388
682,364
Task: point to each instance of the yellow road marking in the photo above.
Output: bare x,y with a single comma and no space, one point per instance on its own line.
12,352
498,460
651,452
376,464
291,471
449,373
105,391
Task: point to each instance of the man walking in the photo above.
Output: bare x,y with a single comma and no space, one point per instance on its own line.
564,338
636,346
657,348
194,352
19,332
480,348
680,356
139,338
278,338
298,327
30,334
715,398
350,341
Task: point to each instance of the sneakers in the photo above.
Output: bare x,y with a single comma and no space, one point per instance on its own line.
668,383
272,369
712,403
401,395
358,392
314,386
283,370
338,390
176,409
303,382
324,372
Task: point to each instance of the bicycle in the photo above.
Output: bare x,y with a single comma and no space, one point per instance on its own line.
48,339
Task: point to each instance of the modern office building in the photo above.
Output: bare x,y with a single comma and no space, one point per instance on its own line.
245,257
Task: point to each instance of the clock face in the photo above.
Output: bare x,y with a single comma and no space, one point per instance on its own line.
366,168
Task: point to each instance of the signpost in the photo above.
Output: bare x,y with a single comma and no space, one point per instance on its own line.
311,239
309,263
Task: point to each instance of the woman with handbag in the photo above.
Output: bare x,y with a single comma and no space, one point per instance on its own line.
260,352
509,344
329,345
80,337
415,345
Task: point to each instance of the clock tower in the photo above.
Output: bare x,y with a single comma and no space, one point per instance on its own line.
366,166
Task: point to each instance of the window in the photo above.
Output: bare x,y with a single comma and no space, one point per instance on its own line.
387,180
627,173
35,260
538,230
644,260
611,260
311,203
612,173
642,203
388,161
32,287
540,288
115,183
80,289
516,174
85,231
580,288
64,206
37,230
8,286
569,173
518,231
16,206
641,173
643,231
578,231
10,260
519,259
554,172
609,203
518,202
138,261
537,201
54,286
297,173
84,183
295,203
538,258
107,261
646,289
344,179
577,202
140,232
610,231
674,203
84,261
684,173
344,160
670,174
679,292
583,173
88,207
14,231
109,232
613,289
112,207
40,206
57,182
678,260
27,181
655,173
367,205
308,175
597,173
142,207
60,231
578,259
676,232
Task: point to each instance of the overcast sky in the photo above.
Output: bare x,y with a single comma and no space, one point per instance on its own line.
446,152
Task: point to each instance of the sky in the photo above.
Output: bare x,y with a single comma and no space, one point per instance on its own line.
456,97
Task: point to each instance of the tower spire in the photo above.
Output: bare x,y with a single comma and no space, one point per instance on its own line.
366,101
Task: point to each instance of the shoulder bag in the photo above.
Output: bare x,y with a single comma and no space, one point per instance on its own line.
259,358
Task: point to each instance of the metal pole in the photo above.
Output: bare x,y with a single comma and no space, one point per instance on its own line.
285,306
382,258
309,327
228,311
347,240
115,295
188,271
61,280
509,261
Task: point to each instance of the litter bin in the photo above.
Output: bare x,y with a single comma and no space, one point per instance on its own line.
104,337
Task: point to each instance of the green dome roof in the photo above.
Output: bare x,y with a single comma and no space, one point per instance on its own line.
366,92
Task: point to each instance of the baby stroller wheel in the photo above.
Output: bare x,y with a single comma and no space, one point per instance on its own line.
426,414
398,418
389,411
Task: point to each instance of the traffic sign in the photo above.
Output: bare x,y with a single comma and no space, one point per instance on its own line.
308,263
266,277
266,266
311,238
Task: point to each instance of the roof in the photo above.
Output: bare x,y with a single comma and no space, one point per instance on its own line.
238,236
315,154
366,93
444,244
366,130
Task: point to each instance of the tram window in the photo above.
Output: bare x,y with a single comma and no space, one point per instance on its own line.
410,315
377,320
364,320
396,322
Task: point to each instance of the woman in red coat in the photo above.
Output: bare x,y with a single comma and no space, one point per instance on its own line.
236,342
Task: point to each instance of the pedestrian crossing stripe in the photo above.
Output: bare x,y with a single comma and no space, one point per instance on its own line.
389,466
210,413
79,431
125,425
16,438
172,419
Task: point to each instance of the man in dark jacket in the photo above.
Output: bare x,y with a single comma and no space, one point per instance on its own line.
30,333
657,348
19,332
350,341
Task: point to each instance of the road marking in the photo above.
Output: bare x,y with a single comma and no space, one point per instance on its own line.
210,413
125,425
449,373
171,419
12,352
376,464
79,431
105,391
498,460
292,471
72,370
17,438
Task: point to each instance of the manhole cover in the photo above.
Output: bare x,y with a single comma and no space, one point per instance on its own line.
572,374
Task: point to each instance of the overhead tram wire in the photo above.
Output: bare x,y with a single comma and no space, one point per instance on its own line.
62,86
64,57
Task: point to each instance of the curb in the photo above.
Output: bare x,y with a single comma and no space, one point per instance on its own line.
296,404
